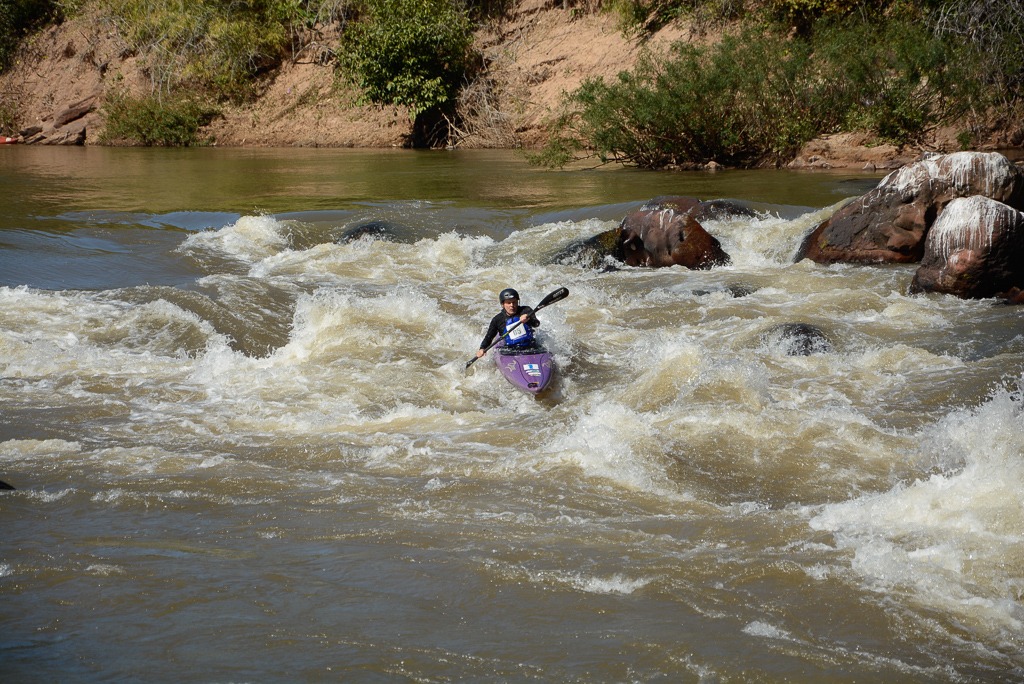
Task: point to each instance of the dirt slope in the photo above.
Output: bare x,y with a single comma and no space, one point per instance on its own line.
534,56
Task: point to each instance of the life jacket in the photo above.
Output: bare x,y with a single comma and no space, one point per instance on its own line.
522,336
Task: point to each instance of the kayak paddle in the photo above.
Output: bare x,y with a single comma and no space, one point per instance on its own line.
556,296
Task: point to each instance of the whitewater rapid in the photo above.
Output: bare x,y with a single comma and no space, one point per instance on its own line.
690,493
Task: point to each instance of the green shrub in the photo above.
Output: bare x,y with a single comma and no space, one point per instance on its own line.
896,79
236,48
756,98
486,9
645,16
992,32
744,102
153,120
804,16
218,45
412,53
637,16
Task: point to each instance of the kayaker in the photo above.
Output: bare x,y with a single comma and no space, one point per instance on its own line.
505,322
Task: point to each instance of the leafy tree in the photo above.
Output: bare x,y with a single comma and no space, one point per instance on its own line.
756,98
638,17
412,53
896,79
994,30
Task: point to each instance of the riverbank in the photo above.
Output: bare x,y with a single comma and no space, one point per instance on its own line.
533,56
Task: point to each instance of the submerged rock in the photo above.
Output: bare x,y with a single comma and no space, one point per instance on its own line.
664,237
666,231
378,230
797,339
716,210
735,290
594,252
739,290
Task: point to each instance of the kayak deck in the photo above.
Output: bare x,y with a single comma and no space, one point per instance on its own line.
528,368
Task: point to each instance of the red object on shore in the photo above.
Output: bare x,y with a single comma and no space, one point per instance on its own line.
4,140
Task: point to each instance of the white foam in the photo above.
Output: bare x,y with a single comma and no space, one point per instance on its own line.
818,571
949,538
613,442
764,241
900,361
615,584
558,232
249,239
21,449
49,497
767,631
332,323
110,496
85,335
664,366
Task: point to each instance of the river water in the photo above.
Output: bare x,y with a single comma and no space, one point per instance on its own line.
246,449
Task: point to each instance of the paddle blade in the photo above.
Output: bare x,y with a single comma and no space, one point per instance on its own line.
556,296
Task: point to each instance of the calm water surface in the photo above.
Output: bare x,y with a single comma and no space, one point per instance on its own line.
246,448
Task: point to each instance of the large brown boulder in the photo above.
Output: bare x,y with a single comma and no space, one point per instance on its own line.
974,250
644,236
889,224
666,232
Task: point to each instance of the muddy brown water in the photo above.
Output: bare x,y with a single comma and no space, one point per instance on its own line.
247,450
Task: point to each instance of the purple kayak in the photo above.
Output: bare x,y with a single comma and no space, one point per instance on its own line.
529,369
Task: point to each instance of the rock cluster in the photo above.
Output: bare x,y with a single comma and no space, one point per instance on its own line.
67,126
958,215
975,249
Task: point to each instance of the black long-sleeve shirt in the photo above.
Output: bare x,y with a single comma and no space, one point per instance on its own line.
497,325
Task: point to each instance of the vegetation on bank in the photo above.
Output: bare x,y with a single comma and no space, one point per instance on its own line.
151,120
784,72
411,53
18,20
796,70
